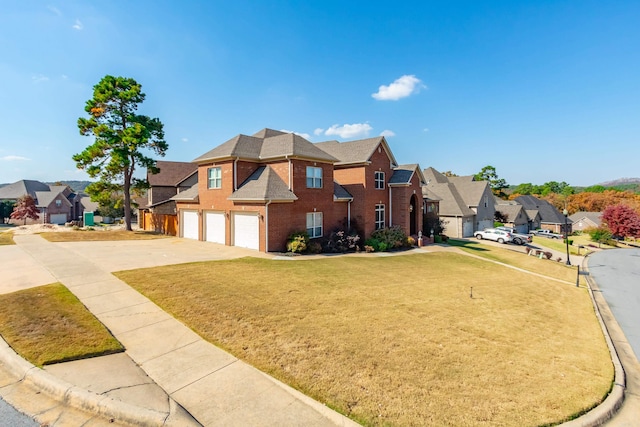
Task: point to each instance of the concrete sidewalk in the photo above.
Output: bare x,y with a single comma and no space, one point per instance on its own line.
212,385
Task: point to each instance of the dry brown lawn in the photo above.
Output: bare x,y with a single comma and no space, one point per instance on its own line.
48,324
398,340
94,236
6,238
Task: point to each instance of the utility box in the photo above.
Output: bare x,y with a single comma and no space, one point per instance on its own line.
88,219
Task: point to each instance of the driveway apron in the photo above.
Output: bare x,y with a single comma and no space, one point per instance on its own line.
214,386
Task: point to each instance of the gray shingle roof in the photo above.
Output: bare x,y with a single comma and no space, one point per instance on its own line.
433,176
451,202
274,145
402,174
340,193
263,185
45,198
470,190
595,217
355,152
171,173
20,188
548,213
510,210
190,195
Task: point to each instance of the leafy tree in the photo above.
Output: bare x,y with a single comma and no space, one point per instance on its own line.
622,221
594,189
488,173
500,217
25,209
525,189
600,235
431,221
6,207
449,173
121,138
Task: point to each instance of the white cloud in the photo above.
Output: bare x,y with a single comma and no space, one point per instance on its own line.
78,25
185,140
318,131
400,88
39,78
55,10
13,158
302,134
387,133
350,131
425,130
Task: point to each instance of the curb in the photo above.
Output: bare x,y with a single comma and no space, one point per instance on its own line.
74,396
611,405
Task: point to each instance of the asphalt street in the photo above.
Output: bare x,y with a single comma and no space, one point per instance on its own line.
617,273
9,417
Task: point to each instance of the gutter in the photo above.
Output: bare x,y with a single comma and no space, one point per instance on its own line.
235,174
266,226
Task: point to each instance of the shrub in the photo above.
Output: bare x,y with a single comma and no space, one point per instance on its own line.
392,237
547,255
411,241
314,248
372,243
570,241
437,239
444,238
298,242
382,246
339,241
368,248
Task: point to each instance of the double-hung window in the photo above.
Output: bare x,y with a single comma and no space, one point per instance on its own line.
379,217
314,177
379,180
314,224
214,177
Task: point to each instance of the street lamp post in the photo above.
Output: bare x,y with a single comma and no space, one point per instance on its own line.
566,234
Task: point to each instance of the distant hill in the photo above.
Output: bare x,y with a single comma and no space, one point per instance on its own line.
621,181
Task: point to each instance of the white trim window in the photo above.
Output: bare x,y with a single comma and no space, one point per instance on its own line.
314,224
379,217
314,177
214,176
379,180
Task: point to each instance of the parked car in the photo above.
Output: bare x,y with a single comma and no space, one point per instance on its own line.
494,234
547,233
518,238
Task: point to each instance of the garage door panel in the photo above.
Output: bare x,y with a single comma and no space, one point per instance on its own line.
58,218
246,231
215,228
190,225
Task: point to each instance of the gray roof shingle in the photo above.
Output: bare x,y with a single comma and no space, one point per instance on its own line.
20,188
171,173
548,213
355,152
263,185
340,193
267,144
189,195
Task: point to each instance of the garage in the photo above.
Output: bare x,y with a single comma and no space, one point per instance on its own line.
58,218
246,231
467,227
214,227
189,224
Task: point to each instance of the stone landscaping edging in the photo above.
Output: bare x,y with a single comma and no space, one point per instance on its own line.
74,396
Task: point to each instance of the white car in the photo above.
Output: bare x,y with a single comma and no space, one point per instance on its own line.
494,234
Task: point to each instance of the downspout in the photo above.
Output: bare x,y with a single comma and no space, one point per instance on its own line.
290,181
349,214
266,226
235,174
390,209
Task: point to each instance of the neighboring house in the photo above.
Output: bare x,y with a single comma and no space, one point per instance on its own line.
549,217
466,205
158,212
255,191
516,216
58,204
584,220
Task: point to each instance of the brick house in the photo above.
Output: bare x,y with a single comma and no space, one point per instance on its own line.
58,204
158,211
254,191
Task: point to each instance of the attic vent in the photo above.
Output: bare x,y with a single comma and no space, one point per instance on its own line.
379,149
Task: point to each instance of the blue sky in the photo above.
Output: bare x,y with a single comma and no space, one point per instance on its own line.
542,90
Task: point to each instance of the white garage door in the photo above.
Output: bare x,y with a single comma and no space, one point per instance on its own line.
215,227
189,227
245,231
58,218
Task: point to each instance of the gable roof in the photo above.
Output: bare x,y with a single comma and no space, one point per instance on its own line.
171,173
510,210
470,190
355,152
45,198
23,187
433,176
403,174
548,213
263,185
594,217
268,144
451,203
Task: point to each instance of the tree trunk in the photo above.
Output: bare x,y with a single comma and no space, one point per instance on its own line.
127,200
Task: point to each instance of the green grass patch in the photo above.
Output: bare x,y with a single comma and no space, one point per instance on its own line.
399,340
48,324
95,236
